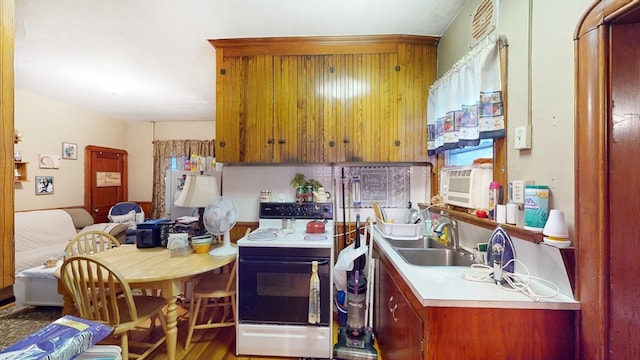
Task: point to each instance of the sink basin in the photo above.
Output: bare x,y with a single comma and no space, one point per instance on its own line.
434,257
422,243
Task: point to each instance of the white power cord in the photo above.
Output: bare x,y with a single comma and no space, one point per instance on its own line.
516,281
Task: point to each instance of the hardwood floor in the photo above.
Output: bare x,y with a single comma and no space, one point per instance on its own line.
207,344
212,344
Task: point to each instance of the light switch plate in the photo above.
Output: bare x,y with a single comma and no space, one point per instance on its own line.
522,138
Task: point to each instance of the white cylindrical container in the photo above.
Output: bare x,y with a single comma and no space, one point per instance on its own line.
511,213
501,214
536,207
520,218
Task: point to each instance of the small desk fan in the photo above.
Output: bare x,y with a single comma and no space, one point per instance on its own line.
219,217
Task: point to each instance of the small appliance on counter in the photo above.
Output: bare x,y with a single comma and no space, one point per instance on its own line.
153,233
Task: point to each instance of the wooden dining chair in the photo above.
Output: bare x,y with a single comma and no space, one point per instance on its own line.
211,292
89,242
103,295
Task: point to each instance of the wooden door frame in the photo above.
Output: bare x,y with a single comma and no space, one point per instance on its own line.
7,144
592,120
87,174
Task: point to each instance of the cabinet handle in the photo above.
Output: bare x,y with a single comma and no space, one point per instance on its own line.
271,141
346,140
332,143
282,141
223,71
332,69
392,310
223,143
396,143
397,68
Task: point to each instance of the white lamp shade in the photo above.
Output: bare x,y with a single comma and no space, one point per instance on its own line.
556,225
198,192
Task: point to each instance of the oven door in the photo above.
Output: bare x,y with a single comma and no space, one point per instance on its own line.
273,285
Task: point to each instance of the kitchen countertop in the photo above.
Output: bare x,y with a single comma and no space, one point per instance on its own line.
446,286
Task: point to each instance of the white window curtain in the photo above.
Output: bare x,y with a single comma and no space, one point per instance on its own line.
466,105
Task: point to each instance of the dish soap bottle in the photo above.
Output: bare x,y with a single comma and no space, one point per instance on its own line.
314,295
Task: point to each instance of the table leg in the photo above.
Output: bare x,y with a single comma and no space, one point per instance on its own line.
67,307
172,329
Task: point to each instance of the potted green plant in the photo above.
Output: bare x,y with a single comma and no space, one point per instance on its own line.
304,187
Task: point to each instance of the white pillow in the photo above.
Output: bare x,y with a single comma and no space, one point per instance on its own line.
129,219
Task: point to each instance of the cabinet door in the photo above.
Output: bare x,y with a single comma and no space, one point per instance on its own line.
416,71
398,328
299,126
285,108
244,121
366,88
335,85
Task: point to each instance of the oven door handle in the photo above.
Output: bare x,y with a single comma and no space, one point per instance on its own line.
262,260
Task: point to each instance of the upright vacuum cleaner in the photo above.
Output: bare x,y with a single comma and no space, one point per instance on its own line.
355,341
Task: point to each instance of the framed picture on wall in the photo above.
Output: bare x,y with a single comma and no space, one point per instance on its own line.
44,185
69,151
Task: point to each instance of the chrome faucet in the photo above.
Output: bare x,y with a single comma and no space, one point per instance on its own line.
453,229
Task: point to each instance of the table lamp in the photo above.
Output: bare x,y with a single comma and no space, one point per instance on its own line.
198,192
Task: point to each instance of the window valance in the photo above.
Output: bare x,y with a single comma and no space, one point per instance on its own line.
466,104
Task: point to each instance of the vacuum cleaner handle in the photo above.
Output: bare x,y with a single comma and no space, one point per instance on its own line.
359,262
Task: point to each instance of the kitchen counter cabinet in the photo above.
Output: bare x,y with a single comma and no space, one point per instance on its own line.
323,99
398,326
460,329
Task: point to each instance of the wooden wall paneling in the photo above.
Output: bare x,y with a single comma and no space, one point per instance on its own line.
286,121
332,109
310,108
389,121
229,100
358,128
7,248
258,132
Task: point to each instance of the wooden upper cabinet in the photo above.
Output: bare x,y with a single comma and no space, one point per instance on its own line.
244,103
323,99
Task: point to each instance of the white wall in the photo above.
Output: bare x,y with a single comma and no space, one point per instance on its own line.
551,158
45,124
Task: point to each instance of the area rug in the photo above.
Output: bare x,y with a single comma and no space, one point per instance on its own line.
16,324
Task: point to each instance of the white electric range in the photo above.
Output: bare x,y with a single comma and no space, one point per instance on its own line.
284,225
274,270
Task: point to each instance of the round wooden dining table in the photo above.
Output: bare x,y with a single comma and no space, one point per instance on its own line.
156,268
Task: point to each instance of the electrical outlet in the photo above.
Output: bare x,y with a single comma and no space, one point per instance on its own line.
522,138
517,190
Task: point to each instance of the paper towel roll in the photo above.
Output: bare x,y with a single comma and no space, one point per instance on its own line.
501,214
511,213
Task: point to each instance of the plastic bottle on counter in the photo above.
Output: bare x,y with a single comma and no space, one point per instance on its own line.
427,228
435,222
494,198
